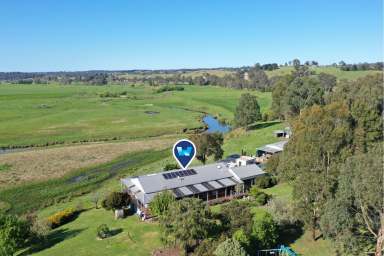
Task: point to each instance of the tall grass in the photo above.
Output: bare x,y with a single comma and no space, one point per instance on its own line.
30,197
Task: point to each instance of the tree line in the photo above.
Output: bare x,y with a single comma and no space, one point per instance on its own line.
334,160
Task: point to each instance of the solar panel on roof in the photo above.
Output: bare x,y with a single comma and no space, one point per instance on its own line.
183,173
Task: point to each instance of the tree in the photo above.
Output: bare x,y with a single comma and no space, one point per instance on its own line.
116,200
248,110
208,144
95,198
272,164
354,217
321,140
264,230
258,196
327,81
364,98
187,222
296,63
230,247
13,234
282,211
258,79
279,91
242,238
161,203
237,215
303,92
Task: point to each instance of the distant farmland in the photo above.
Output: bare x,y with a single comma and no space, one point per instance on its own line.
49,114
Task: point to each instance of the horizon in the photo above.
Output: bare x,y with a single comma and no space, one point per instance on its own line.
180,69
164,35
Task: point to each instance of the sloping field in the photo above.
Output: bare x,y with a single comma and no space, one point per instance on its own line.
41,114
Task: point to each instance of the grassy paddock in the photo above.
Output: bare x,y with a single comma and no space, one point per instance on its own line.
259,135
43,164
33,196
49,114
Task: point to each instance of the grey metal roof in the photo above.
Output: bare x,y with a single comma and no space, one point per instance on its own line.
156,182
274,147
208,177
200,187
248,171
215,184
186,191
227,182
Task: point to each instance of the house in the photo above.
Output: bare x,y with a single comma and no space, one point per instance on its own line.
207,182
266,151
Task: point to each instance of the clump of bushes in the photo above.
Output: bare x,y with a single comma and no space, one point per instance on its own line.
258,196
168,88
116,200
170,166
161,203
266,181
103,231
112,94
62,217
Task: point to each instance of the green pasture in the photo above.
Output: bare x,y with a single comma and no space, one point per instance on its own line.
40,114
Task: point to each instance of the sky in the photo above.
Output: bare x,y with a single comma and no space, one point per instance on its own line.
50,35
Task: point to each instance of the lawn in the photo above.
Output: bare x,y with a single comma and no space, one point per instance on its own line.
41,114
259,135
133,237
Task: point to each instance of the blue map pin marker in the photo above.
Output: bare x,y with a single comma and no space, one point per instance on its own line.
184,151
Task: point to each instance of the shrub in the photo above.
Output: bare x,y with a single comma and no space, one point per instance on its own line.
265,230
237,215
116,200
161,202
266,181
103,231
230,247
272,164
167,88
61,217
40,229
242,238
170,166
259,197
14,233
207,247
